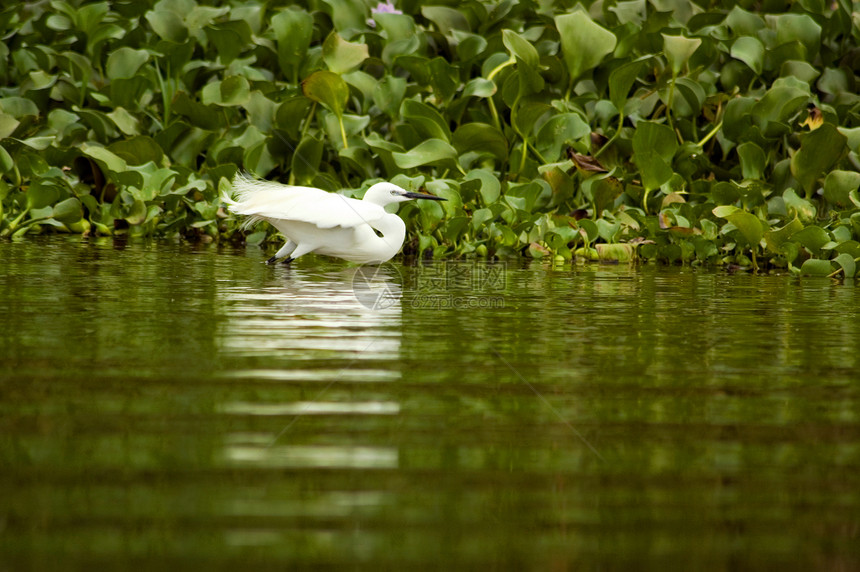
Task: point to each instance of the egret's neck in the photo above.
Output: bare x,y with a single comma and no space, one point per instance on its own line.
393,231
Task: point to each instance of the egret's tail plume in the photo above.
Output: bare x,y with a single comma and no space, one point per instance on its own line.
245,186
243,201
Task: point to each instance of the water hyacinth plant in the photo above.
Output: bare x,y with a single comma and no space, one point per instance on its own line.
678,131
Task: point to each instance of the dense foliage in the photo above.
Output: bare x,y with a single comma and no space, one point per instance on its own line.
708,132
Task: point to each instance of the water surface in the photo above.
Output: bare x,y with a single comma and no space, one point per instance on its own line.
169,405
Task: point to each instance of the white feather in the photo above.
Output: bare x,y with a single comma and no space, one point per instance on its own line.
314,220
267,200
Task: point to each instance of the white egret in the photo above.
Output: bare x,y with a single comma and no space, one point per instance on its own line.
313,220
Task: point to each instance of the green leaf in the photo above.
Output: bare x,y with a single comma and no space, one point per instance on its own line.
838,186
797,27
327,88
235,90
559,132
774,239
6,161
306,160
437,74
348,14
753,160
124,62
812,237
527,116
168,25
105,158
744,23
748,224
654,145
446,19
481,137
796,206
341,56
388,94
125,121
490,186
42,193
18,107
479,87
584,43
615,252
430,152
290,115
293,29
621,79
846,261
750,50
396,26
137,213
428,122
779,104
230,38
816,267
604,190
819,151
68,211
679,50
8,125
590,228
199,115
480,216
521,48
138,150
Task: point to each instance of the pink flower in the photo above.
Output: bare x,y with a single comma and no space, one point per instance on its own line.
386,7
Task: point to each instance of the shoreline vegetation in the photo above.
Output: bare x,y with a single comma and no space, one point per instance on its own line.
706,133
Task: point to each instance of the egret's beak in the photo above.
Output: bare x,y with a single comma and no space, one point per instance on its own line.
423,196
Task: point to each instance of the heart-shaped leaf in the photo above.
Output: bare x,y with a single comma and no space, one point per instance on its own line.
341,56
481,137
654,145
293,31
679,50
819,151
430,152
327,88
748,224
584,43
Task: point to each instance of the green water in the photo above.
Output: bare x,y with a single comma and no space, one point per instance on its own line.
164,405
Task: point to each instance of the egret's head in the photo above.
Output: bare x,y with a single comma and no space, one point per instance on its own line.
387,193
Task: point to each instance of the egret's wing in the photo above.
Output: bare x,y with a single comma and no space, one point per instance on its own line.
266,199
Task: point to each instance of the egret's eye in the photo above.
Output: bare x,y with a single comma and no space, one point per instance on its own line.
393,193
